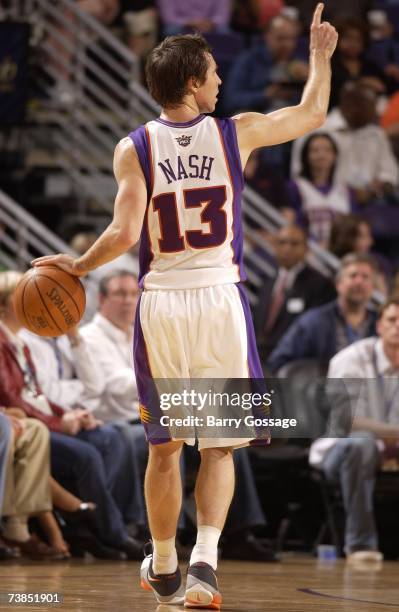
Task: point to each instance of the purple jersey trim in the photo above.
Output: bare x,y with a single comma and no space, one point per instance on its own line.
148,395
185,124
227,130
139,138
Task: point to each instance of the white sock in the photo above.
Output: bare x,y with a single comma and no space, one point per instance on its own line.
164,560
16,528
206,546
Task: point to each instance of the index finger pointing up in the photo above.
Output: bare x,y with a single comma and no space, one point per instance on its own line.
317,14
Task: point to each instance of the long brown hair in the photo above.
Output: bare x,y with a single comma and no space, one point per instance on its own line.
344,232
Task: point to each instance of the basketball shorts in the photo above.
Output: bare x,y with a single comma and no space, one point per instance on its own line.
204,333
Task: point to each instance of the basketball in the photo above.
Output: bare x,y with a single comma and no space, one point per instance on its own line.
48,301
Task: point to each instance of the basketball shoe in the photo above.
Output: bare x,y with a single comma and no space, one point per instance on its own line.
202,589
167,588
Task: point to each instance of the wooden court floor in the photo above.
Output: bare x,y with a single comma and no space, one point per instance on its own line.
297,584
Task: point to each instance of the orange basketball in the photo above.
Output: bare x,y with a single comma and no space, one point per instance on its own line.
48,301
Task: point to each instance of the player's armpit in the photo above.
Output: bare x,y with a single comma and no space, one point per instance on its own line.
256,130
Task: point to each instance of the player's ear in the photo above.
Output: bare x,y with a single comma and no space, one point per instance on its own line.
193,85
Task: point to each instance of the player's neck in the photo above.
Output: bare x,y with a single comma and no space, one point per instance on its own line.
181,114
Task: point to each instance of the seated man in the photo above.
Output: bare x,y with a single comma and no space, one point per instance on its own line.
69,376
321,332
110,337
294,289
370,369
268,75
6,552
83,455
27,489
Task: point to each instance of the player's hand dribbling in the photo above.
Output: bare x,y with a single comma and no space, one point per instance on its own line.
62,260
323,36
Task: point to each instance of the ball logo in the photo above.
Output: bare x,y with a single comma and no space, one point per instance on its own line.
58,301
39,322
184,141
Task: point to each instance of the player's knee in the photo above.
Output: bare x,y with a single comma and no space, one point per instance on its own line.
217,453
165,453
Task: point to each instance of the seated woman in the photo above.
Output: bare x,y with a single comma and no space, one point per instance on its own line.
315,194
352,234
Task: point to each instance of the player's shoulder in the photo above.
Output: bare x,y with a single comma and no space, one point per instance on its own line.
247,119
125,145
125,151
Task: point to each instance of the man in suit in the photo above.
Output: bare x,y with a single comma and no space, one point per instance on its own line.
323,331
295,288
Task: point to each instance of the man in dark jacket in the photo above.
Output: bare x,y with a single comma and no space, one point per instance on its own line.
295,288
269,75
323,331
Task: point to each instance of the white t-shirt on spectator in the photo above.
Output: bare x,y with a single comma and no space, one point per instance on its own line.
364,154
360,365
68,376
113,351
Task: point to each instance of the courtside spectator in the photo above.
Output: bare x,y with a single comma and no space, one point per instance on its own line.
27,490
316,195
370,370
294,289
352,234
92,457
365,162
6,552
321,332
269,75
68,374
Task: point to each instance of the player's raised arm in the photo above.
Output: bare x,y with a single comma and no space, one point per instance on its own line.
124,230
257,130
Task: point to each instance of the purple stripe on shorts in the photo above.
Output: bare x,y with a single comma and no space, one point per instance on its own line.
139,139
228,132
185,124
255,369
148,395
254,365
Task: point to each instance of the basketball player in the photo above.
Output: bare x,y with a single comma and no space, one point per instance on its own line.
180,178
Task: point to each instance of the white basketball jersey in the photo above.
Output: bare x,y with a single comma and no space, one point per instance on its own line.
192,233
321,208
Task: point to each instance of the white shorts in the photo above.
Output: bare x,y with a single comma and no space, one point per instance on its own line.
204,333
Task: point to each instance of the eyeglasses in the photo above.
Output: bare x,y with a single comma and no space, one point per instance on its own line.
293,243
123,295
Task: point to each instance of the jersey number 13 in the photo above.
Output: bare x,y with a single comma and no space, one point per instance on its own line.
211,200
